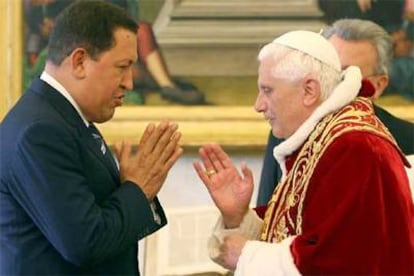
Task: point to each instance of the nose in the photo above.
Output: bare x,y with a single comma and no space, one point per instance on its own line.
127,80
260,104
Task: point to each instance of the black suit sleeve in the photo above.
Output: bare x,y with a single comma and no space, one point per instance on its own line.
403,131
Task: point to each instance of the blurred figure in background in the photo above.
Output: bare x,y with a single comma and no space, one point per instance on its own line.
395,16
383,12
150,73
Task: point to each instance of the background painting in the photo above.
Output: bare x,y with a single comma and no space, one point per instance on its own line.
207,43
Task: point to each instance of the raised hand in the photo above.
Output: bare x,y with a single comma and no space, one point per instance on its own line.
230,191
158,150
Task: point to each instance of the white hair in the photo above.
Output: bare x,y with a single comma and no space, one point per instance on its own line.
293,65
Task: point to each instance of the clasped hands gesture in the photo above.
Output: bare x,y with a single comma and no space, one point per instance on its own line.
231,193
158,150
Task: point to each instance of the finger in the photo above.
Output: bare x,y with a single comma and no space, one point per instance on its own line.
153,137
169,149
167,142
205,158
147,132
168,165
148,152
163,167
173,158
247,172
124,152
164,160
225,161
118,148
216,154
201,173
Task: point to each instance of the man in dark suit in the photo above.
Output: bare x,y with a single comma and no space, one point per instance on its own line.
369,46
65,208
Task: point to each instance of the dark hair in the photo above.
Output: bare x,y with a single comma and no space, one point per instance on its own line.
89,24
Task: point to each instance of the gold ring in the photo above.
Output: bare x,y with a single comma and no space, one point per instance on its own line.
210,172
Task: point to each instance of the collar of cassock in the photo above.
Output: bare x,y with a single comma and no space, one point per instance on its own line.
345,92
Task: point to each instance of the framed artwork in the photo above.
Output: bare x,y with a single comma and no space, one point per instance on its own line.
222,64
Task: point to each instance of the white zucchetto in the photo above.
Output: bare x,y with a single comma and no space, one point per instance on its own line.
313,44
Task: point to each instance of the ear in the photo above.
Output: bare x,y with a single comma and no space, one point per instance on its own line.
311,92
78,58
380,83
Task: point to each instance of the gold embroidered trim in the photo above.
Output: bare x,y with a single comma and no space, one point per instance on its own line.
283,217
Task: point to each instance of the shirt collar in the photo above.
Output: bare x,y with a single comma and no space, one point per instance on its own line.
56,85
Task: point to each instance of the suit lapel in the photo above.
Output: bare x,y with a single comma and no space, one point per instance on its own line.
72,117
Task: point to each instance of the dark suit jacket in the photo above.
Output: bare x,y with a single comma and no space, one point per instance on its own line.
380,11
402,131
63,209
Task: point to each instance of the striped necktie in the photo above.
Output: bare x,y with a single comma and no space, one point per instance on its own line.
97,137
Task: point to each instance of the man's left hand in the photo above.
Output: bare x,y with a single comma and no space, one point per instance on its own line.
230,251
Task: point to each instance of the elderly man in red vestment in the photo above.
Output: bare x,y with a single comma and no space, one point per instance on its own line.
343,205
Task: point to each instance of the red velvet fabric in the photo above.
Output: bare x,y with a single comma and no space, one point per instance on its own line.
367,89
260,211
358,217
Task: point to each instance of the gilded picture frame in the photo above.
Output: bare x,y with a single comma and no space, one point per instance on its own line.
231,126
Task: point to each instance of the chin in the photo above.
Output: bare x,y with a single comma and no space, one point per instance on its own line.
278,133
106,116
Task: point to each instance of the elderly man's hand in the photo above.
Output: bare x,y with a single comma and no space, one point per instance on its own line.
230,251
230,191
158,150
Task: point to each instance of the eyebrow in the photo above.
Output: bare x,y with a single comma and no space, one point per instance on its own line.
129,61
263,86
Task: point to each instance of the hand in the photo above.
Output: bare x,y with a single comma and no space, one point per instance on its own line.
364,5
230,251
229,190
148,168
